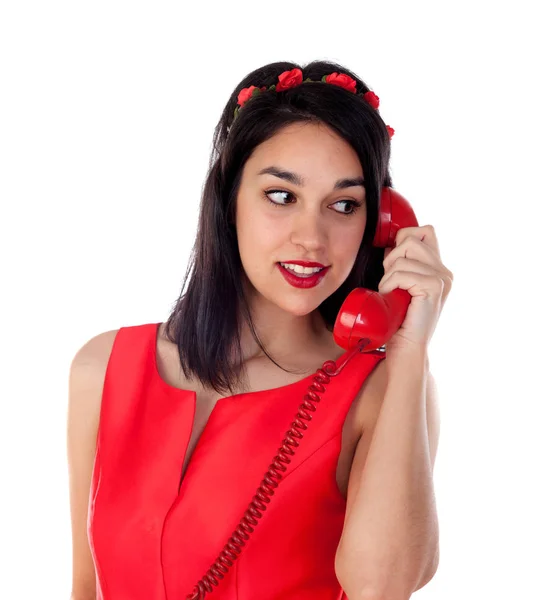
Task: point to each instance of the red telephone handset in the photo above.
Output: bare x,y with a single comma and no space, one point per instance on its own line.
366,313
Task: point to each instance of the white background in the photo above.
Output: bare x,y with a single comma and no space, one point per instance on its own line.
107,114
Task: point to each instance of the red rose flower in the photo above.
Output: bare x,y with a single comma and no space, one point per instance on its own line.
289,79
342,80
245,94
391,131
372,99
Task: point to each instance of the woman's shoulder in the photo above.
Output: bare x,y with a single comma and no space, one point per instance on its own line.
94,354
87,373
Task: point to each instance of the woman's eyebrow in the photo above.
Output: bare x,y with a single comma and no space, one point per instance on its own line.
296,179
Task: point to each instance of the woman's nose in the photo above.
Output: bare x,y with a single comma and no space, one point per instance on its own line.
308,229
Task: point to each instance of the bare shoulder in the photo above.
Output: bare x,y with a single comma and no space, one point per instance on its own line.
96,351
86,380
87,376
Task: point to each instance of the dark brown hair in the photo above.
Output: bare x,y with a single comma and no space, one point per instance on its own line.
205,320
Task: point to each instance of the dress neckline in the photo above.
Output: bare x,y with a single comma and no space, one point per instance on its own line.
173,389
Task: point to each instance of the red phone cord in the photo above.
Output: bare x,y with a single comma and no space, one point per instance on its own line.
272,478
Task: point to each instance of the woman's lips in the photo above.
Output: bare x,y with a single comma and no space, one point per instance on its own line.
302,282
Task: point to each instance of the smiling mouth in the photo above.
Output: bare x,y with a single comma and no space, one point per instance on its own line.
301,271
302,280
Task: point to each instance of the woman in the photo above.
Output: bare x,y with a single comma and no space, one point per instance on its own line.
173,427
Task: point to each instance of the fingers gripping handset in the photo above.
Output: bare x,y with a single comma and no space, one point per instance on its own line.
366,313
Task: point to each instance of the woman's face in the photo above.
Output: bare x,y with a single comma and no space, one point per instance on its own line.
309,220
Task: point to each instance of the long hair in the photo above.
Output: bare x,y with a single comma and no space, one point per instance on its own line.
205,322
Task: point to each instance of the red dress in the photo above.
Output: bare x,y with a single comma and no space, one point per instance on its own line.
151,540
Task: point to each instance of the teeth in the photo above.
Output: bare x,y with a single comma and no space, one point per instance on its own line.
302,270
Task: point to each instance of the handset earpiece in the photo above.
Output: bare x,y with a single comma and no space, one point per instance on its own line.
367,313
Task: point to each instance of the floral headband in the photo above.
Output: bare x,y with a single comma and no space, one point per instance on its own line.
293,78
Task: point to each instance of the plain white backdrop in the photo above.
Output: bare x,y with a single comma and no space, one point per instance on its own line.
107,113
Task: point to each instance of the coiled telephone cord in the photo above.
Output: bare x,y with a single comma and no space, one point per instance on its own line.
272,478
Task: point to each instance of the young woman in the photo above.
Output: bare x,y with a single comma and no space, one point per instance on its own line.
198,464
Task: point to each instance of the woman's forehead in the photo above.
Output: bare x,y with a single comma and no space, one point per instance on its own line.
302,156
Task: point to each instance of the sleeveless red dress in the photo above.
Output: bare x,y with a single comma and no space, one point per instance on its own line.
151,540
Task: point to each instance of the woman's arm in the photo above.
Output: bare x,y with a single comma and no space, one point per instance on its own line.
389,545
87,374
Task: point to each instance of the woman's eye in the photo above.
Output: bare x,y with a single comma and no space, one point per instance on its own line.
354,204
267,194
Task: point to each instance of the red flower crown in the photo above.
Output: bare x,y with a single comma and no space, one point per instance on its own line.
293,78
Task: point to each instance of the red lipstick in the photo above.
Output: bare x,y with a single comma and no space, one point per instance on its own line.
300,281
